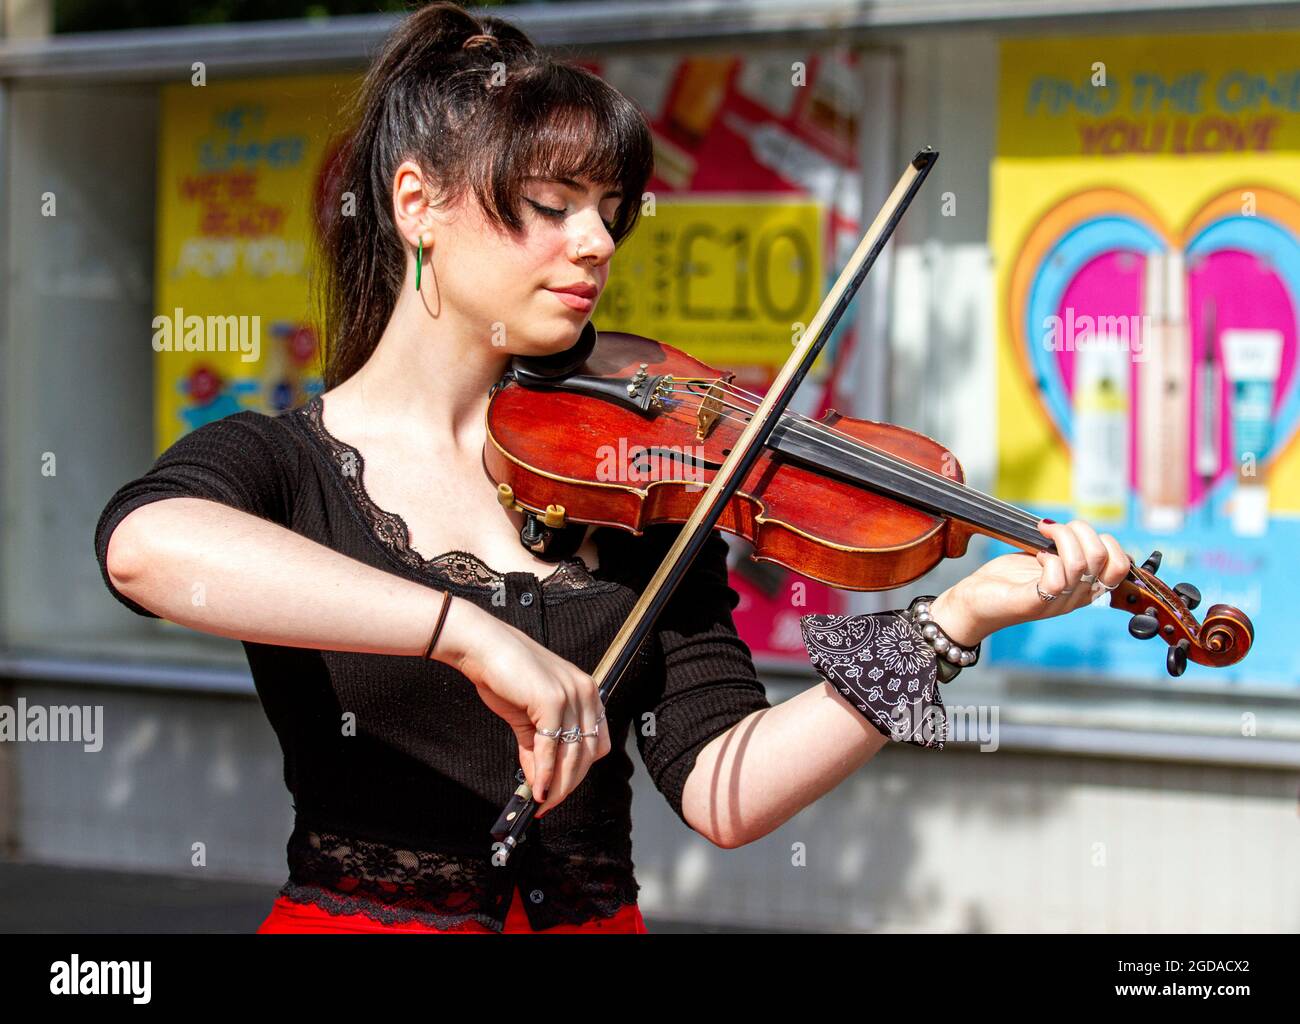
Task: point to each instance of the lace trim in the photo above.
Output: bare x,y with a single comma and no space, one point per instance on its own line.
347,875
390,529
337,906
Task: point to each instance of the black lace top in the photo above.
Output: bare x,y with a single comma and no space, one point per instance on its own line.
397,770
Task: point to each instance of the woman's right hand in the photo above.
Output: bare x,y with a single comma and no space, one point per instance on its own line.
532,689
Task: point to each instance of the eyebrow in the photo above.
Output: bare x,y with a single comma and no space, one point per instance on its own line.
572,184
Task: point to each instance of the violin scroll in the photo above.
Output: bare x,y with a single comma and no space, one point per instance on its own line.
1223,638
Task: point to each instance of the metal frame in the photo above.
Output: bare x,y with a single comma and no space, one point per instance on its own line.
1075,736
125,674
276,46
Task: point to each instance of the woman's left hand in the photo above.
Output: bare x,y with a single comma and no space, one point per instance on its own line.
1003,591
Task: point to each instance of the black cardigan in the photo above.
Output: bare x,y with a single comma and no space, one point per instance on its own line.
392,815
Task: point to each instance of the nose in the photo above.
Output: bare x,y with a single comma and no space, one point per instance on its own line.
593,239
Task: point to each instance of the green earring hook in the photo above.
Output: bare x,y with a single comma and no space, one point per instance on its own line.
419,262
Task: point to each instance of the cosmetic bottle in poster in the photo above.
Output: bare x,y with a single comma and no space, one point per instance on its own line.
1252,360
1164,396
1099,464
1208,457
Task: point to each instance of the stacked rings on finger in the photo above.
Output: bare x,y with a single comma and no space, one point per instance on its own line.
572,733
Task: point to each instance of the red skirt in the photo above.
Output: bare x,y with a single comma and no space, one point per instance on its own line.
288,917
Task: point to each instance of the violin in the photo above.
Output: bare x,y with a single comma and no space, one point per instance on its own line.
625,431
859,505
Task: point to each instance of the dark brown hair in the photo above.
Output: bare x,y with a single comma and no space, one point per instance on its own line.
436,95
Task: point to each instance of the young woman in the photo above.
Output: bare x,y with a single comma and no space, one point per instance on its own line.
410,653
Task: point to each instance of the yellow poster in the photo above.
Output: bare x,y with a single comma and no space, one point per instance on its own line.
241,168
1146,181
732,282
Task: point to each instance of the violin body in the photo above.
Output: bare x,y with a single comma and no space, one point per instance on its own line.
612,465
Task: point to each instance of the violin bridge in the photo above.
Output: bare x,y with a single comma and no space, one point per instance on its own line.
710,411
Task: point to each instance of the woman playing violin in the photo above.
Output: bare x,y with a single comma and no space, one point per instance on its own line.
410,654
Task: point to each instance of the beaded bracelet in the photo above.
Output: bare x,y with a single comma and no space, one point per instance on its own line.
951,656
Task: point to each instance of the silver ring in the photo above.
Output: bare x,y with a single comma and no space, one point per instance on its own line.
1102,584
1042,596
1088,578
572,733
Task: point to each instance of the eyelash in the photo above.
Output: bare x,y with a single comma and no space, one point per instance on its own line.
554,214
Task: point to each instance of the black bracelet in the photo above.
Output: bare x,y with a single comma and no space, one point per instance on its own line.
950,656
442,617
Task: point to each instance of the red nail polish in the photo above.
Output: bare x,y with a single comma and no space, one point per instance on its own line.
1049,521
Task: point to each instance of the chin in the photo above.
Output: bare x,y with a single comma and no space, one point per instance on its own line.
563,337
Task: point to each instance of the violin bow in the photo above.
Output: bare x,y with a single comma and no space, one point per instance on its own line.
512,825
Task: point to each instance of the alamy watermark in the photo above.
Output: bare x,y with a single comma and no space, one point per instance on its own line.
973,723
637,463
77,977
1077,333
194,333
59,723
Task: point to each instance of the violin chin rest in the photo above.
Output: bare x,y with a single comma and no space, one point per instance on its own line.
560,364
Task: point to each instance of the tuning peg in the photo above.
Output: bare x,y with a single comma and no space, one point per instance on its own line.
1176,662
1190,595
1152,564
1144,627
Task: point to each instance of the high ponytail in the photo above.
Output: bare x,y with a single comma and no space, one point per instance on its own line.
478,106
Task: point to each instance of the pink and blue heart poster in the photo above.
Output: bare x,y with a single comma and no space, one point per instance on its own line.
1145,223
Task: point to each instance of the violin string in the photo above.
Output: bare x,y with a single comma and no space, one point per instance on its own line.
980,512
995,508
911,469
1014,515
1026,517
